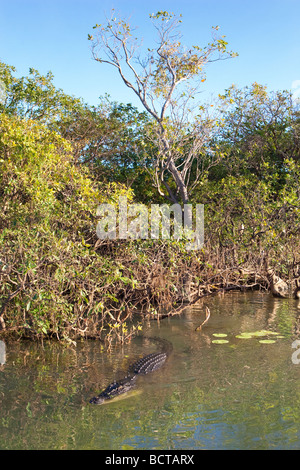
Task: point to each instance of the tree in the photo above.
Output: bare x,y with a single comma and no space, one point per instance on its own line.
165,80
259,131
104,137
108,138
35,97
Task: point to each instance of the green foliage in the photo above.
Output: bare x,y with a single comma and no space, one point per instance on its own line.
60,158
50,277
250,224
37,171
108,138
35,96
259,131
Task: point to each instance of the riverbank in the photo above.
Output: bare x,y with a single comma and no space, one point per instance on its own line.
107,291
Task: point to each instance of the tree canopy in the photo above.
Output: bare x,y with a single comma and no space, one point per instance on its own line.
165,79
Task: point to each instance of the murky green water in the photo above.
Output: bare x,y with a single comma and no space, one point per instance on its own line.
239,395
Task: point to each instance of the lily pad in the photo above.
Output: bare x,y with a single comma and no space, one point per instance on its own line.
220,341
264,333
267,341
256,334
244,336
220,335
259,333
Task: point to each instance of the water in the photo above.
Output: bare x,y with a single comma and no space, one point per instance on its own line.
240,395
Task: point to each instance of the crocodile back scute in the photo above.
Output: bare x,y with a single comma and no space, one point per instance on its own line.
149,363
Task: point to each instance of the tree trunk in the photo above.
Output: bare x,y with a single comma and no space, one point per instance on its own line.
176,174
179,182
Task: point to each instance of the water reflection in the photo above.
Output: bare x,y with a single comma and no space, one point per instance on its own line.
242,394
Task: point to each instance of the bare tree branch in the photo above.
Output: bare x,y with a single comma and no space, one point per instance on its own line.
165,83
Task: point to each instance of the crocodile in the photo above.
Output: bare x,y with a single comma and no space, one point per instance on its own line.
142,366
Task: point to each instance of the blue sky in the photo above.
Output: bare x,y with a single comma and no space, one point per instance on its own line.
52,35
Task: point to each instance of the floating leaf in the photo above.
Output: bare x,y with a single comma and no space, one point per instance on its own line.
267,341
220,335
255,334
220,341
264,333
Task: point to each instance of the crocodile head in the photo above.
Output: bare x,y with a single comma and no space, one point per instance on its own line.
114,390
98,400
